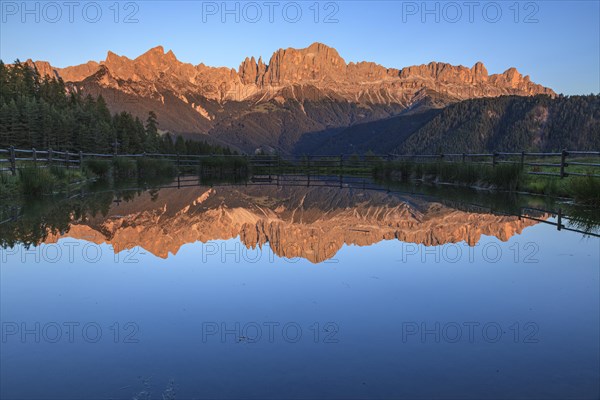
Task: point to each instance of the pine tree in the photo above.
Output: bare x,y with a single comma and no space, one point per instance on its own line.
152,138
180,146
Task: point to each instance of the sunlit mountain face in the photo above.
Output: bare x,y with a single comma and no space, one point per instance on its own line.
308,222
283,102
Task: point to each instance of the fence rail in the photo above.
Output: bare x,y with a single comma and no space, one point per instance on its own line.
563,164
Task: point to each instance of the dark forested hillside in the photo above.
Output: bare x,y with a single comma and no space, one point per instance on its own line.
511,123
39,112
378,136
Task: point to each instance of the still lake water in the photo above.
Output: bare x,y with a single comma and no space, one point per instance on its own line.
295,292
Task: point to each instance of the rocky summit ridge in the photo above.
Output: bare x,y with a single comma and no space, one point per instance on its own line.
302,90
318,65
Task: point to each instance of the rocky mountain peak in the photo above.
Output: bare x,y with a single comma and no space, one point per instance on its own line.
147,66
248,70
512,75
156,50
479,70
43,68
316,62
115,61
156,55
112,57
78,73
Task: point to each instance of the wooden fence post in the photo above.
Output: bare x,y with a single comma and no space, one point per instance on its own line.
34,155
494,159
522,159
50,156
308,170
13,161
80,159
341,169
563,157
67,159
270,164
278,168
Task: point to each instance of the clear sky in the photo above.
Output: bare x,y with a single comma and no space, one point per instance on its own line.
557,43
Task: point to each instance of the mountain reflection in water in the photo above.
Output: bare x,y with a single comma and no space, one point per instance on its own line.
308,222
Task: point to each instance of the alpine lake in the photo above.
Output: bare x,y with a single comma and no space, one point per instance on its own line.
279,288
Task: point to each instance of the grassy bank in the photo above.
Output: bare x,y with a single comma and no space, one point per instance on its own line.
317,165
40,180
32,181
130,168
505,177
223,167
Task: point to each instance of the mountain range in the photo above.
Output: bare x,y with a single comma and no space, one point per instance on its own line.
301,100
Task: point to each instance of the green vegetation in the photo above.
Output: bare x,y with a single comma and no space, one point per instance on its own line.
583,189
221,167
150,168
506,177
124,168
549,186
317,165
100,168
9,185
34,181
586,190
584,217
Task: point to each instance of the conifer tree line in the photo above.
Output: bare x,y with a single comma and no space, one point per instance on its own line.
511,123
39,112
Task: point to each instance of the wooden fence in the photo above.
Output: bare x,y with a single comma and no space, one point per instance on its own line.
532,163
563,164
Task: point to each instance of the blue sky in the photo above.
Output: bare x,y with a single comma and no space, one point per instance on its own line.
557,43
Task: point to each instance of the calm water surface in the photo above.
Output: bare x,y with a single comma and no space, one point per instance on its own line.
295,292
